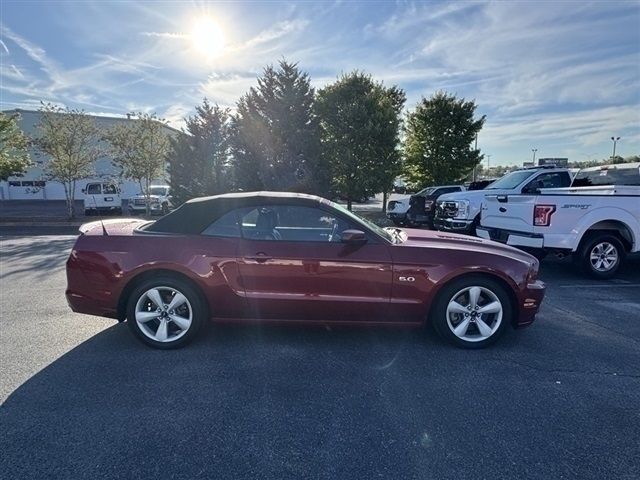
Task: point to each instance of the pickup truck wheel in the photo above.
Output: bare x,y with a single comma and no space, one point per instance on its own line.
165,312
601,255
472,312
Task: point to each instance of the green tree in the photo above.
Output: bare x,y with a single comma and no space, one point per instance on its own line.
275,135
14,156
70,138
199,157
360,126
438,146
139,147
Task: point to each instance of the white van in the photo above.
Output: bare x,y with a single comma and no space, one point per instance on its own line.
102,197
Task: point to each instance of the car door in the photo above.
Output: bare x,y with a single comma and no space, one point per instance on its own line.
293,266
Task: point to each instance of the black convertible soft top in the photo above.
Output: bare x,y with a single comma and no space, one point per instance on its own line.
197,214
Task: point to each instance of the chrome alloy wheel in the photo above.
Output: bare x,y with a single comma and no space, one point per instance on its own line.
474,314
163,314
603,257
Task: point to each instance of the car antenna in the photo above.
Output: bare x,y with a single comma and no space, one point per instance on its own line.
104,230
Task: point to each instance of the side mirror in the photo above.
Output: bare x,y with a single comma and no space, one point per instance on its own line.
84,190
353,237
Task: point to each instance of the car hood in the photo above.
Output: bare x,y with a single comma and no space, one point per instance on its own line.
151,197
431,239
470,194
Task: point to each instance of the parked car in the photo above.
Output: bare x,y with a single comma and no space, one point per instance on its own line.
159,201
286,257
460,212
102,197
399,186
597,224
422,205
398,208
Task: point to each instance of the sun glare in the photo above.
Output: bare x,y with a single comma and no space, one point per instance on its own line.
207,37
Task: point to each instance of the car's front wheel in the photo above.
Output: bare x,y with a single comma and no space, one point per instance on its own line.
472,312
165,312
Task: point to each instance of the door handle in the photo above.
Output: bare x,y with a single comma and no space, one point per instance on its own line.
258,257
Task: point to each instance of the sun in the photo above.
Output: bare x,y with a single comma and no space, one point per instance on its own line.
206,37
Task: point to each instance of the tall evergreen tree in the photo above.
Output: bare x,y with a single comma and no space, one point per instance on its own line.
440,134
199,157
275,141
360,124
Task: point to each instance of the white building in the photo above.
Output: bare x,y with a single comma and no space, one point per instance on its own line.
34,185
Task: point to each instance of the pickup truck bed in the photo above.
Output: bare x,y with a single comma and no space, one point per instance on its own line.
597,225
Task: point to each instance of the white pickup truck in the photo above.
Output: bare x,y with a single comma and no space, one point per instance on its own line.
596,220
159,201
460,212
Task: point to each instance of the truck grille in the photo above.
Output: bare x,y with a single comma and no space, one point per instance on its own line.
139,201
446,209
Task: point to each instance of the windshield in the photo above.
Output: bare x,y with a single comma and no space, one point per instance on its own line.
160,191
425,192
511,180
372,226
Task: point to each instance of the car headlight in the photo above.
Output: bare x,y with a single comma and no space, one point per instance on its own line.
462,209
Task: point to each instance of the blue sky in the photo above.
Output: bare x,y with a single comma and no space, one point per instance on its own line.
562,77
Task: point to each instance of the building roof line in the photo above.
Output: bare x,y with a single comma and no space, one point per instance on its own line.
110,117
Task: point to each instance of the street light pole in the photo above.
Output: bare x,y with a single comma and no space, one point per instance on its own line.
615,140
534,150
488,162
475,168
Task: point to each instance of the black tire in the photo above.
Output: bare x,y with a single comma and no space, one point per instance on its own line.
474,226
194,298
397,223
591,244
449,292
165,208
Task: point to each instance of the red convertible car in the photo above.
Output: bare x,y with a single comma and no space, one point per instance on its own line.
287,257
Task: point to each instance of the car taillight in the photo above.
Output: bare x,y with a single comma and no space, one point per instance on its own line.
428,204
542,215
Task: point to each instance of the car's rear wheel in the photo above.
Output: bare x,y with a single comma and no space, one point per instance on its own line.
601,255
472,312
165,312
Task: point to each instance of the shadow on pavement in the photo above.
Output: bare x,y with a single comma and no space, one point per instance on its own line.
288,402
39,256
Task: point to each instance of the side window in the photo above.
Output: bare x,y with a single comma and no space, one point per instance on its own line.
225,226
547,180
292,223
110,189
93,189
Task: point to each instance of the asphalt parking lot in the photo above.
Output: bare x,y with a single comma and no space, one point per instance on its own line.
83,399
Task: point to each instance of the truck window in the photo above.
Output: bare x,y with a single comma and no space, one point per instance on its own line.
110,189
548,180
610,176
93,189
